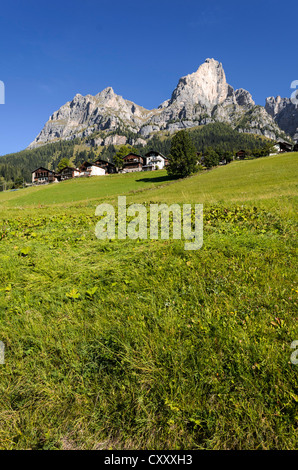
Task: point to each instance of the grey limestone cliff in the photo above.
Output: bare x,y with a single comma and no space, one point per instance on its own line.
199,98
285,114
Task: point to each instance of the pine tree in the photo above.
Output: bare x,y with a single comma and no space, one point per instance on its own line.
183,156
63,164
211,158
122,152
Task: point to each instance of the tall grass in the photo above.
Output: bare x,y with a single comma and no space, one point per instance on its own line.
142,345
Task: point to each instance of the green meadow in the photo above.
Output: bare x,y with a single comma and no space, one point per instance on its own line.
81,189
140,344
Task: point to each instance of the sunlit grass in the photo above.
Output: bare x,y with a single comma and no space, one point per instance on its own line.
130,344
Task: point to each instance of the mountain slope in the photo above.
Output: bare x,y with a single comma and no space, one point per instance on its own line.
271,177
86,114
285,113
18,166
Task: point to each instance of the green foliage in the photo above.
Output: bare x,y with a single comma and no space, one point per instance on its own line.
224,140
161,145
18,166
18,183
122,152
211,158
227,156
90,293
107,153
221,137
81,157
63,164
264,151
73,294
183,156
25,251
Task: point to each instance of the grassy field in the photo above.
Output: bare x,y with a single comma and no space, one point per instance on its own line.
141,344
82,189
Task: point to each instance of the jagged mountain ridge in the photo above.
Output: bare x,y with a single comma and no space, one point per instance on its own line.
199,98
285,114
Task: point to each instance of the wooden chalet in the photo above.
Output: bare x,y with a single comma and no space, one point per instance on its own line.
68,172
42,175
295,148
107,166
133,162
241,154
283,146
84,166
91,169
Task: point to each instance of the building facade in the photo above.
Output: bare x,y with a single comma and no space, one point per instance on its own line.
91,169
133,162
42,176
107,166
68,172
156,160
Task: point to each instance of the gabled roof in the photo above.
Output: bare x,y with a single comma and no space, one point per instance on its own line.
282,141
134,154
43,168
86,164
68,168
104,161
154,151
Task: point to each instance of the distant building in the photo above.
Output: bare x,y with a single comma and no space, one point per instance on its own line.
201,158
133,162
240,155
107,166
42,175
91,169
295,148
283,146
68,172
155,160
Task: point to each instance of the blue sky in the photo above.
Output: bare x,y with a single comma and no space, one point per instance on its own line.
49,51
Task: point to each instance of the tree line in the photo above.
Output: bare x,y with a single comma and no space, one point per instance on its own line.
216,140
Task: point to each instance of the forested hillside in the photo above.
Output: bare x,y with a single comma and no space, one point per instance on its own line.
16,167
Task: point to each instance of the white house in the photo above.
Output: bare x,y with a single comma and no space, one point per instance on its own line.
155,160
91,169
95,170
283,146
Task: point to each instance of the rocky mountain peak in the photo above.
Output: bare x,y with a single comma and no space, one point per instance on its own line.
207,85
199,98
284,113
244,98
108,93
276,105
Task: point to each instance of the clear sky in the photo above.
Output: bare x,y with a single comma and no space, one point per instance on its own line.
51,50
